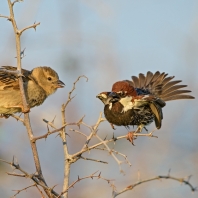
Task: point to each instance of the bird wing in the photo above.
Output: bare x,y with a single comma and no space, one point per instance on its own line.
160,85
10,80
155,105
157,111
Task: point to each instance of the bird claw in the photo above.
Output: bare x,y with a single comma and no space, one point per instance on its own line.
112,126
23,110
27,110
6,116
130,137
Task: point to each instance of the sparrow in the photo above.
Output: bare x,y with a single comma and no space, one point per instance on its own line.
38,83
140,101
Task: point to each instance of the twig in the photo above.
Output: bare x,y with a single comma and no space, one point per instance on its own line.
47,134
18,118
34,177
26,108
76,131
73,88
5,17
90,176
31,26
111,153
17,175
132,186
16,1
18,191
118,153
67,156
86,158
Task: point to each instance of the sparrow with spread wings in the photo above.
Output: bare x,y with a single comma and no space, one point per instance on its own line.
140,101
38,85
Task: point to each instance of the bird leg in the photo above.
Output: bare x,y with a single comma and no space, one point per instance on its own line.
20,107
131,135
27,110
112,126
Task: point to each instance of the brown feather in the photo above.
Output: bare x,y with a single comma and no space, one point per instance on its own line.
149,76
157,111
173,88
135,81
141,80
176,92
178,97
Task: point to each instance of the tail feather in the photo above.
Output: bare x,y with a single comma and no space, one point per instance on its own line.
170,84
136,81
160,79
141,80
168,79
155,76
161,85
173,88
176,92
178,97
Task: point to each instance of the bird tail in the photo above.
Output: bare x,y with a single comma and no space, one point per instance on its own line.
161,85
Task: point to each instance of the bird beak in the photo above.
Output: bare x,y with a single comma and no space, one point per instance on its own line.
60,84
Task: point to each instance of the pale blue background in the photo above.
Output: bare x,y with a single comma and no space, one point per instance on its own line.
106,41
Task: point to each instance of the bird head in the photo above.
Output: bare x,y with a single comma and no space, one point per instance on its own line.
124,88
108,97
47,78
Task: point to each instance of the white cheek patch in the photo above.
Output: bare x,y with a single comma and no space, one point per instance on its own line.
110,106
126,102
104,95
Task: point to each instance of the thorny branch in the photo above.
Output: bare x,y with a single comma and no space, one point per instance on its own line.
132,186
18,191
38,178
34,177
67,158
26,107
90,176
73,88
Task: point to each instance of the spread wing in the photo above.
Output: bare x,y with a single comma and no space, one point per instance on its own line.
160,85
10,80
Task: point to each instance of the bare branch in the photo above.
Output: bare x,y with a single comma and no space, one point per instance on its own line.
5,17
74,87
132,186
116,152
17,175
95,160
90,176
47,134
31,26
37,179
18,118
18,191
76,131
16,1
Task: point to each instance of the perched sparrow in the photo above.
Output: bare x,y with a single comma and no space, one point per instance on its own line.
140,101
38,85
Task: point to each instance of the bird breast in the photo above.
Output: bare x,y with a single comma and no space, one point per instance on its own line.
35,94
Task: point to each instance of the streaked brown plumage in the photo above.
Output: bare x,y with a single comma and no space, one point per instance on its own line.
38,85
140,101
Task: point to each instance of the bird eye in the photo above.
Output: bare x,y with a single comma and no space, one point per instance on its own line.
49,78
